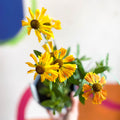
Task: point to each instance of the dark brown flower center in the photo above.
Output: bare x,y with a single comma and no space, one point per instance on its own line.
59,61
52,54
96,87
48,24
40,69
35,24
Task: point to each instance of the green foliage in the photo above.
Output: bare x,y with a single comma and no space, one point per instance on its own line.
101,69
80,68
78,50
84,58
68,52
37,53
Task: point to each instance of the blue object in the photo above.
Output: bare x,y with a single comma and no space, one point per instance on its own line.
11,14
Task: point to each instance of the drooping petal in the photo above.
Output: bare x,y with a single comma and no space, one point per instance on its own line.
37,13
31,71
29,30
35,75
24,23
34,58
30,64
46,48
86,88
62,52
31,13
69,58
38,35
103,81
51,45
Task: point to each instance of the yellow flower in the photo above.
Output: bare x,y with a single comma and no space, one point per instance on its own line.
49,48
41,23
95,88
43,67
66,69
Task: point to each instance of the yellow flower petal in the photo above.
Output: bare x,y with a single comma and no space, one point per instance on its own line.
37,13
42,78
42,13
96,77
51,45
29,20
38,35
86,88
31,13
31,71
35,75
67,72
62,52
46,27
103,81
29,30
70,66
61,76
24,23
57,25
46,48
89,77
47,33
96,99
30,64
48,77
34,58
56,54
69,58
54,67
87,94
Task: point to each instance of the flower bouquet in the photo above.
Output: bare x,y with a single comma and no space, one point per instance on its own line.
57,73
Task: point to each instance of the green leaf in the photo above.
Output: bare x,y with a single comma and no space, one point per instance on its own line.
78,50
81,98
73,81
100,69
107,59
83,58
68,52
48,103
50,85
80,69
37,53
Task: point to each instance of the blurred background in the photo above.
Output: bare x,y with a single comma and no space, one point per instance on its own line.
95,25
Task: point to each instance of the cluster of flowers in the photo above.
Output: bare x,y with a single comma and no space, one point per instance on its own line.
53,64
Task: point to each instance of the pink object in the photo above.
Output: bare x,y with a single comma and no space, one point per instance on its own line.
23,103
